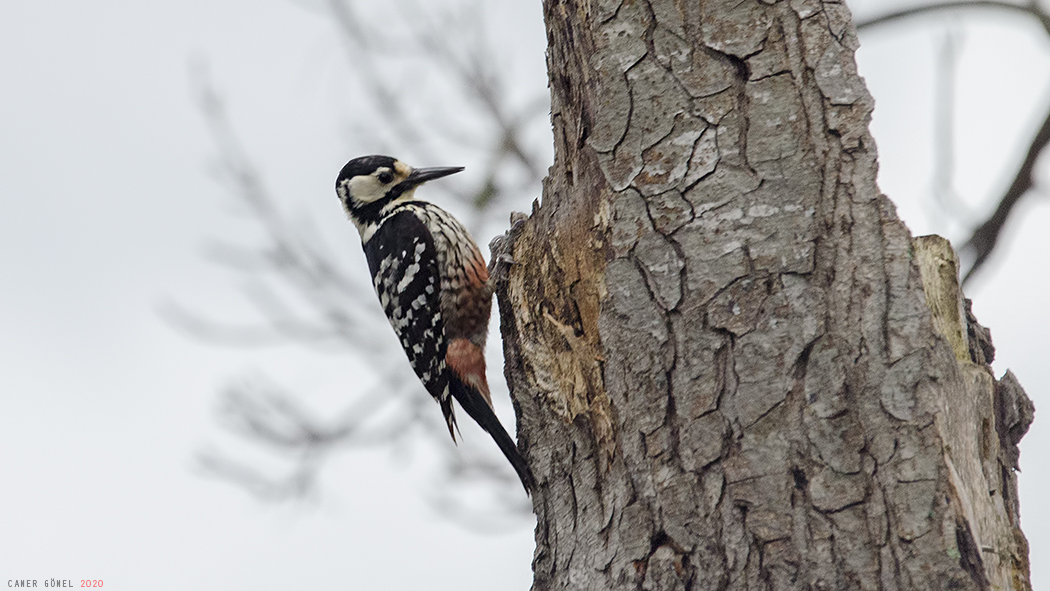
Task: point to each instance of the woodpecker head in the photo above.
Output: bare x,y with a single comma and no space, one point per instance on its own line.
369,184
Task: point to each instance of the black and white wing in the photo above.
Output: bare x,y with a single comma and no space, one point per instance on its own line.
403,261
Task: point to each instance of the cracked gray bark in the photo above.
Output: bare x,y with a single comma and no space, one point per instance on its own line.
726,370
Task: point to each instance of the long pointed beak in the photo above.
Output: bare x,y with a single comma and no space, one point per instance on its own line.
418,176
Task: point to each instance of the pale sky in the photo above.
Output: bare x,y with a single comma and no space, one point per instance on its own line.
106,205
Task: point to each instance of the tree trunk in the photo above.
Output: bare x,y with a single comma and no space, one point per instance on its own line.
725,370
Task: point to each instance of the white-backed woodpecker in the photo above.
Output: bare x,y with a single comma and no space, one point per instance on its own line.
433,285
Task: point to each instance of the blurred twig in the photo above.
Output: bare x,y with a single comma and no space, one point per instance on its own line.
946,199
982,242
986,237
1029,9
477,82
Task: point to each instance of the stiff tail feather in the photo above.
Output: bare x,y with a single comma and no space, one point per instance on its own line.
472,401
450,415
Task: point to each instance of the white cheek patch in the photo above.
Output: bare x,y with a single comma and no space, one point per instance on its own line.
366,189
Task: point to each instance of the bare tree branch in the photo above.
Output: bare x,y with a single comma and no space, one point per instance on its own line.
986,236
1031,9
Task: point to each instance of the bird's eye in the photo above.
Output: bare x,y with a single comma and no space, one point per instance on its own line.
385,177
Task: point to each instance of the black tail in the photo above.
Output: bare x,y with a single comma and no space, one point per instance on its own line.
479,410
